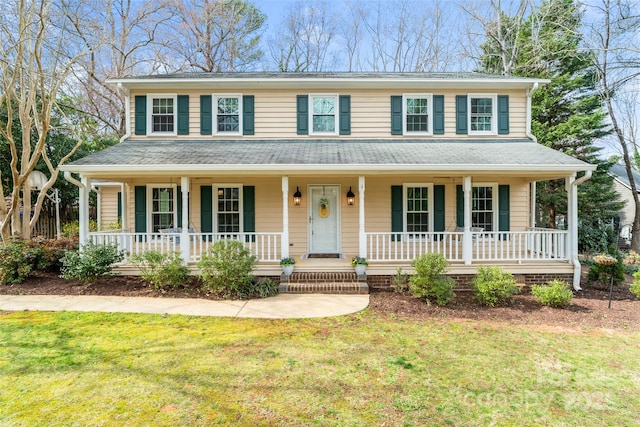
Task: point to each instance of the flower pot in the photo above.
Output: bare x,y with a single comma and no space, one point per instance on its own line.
287,269
360,269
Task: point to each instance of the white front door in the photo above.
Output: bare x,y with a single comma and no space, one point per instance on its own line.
324,219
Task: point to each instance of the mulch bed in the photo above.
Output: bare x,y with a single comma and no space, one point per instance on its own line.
588,310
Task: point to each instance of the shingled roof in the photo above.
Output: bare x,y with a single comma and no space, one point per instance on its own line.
329,154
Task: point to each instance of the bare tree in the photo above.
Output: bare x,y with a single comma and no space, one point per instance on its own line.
217,35
304,42
130,46
38,51
613,41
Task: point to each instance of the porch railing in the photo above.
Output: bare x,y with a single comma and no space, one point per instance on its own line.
264,246
518,246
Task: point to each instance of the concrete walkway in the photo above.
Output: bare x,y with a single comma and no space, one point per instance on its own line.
283,306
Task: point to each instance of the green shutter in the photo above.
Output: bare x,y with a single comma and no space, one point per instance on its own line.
120,207
183,114
438,114
249,210
397,223
206,119
141,115
459,206
303,114
396,115
248,123
345,114
140,209
503,208
461,114
179,206
206,209
503,114
438,208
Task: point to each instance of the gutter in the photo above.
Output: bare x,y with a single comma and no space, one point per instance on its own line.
577,268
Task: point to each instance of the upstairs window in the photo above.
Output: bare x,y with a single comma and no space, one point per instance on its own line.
228,114
323,114
482,114
416,114
163,114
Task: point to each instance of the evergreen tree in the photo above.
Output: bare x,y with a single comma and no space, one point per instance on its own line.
567,114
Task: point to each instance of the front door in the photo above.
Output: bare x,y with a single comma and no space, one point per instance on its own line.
324,219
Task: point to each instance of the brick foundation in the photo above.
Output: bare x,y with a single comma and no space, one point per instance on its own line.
463,281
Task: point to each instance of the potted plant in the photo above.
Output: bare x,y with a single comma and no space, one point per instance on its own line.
360,264
287,265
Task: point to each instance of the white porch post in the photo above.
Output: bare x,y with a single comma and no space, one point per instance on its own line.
467,247
123,202
85,189
284,249
361,232
532,220
572,218
99,207
185,240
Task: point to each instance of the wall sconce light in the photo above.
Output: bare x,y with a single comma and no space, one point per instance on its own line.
351,198
297,197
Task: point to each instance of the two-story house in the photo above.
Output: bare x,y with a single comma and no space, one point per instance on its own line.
327,166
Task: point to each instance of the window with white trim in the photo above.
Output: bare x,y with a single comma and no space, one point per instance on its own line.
228,114
324,114
416,111
482,114
484,203
228,209
162,117
163,210
418,208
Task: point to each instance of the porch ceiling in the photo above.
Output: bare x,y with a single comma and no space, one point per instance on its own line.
520,157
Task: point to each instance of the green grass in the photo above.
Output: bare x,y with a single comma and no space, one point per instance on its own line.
123,369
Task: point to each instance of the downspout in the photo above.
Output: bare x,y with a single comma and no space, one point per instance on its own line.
127,111
574,244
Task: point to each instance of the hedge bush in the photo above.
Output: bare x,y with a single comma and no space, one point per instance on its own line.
91,262
429,283
227,270
492,286
556,293
162,271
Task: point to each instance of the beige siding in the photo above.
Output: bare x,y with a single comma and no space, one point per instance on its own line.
108,207
275,113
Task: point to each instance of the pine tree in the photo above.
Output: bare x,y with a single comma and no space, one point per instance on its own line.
567,114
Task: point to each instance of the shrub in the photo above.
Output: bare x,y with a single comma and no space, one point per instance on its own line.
18,260
162,271
264,288
226,270
635,286
91,262
556,293
429,282
493,286
400,282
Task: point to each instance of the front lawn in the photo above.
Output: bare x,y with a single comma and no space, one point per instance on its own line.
123,369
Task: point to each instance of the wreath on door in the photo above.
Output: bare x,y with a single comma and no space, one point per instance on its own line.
323,211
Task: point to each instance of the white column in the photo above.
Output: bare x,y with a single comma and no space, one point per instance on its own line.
185,240
572,218
85,189
285,217
467,247
361,231
533,204
99,207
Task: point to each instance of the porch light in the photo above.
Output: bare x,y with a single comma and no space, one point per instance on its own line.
297,197
351,198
